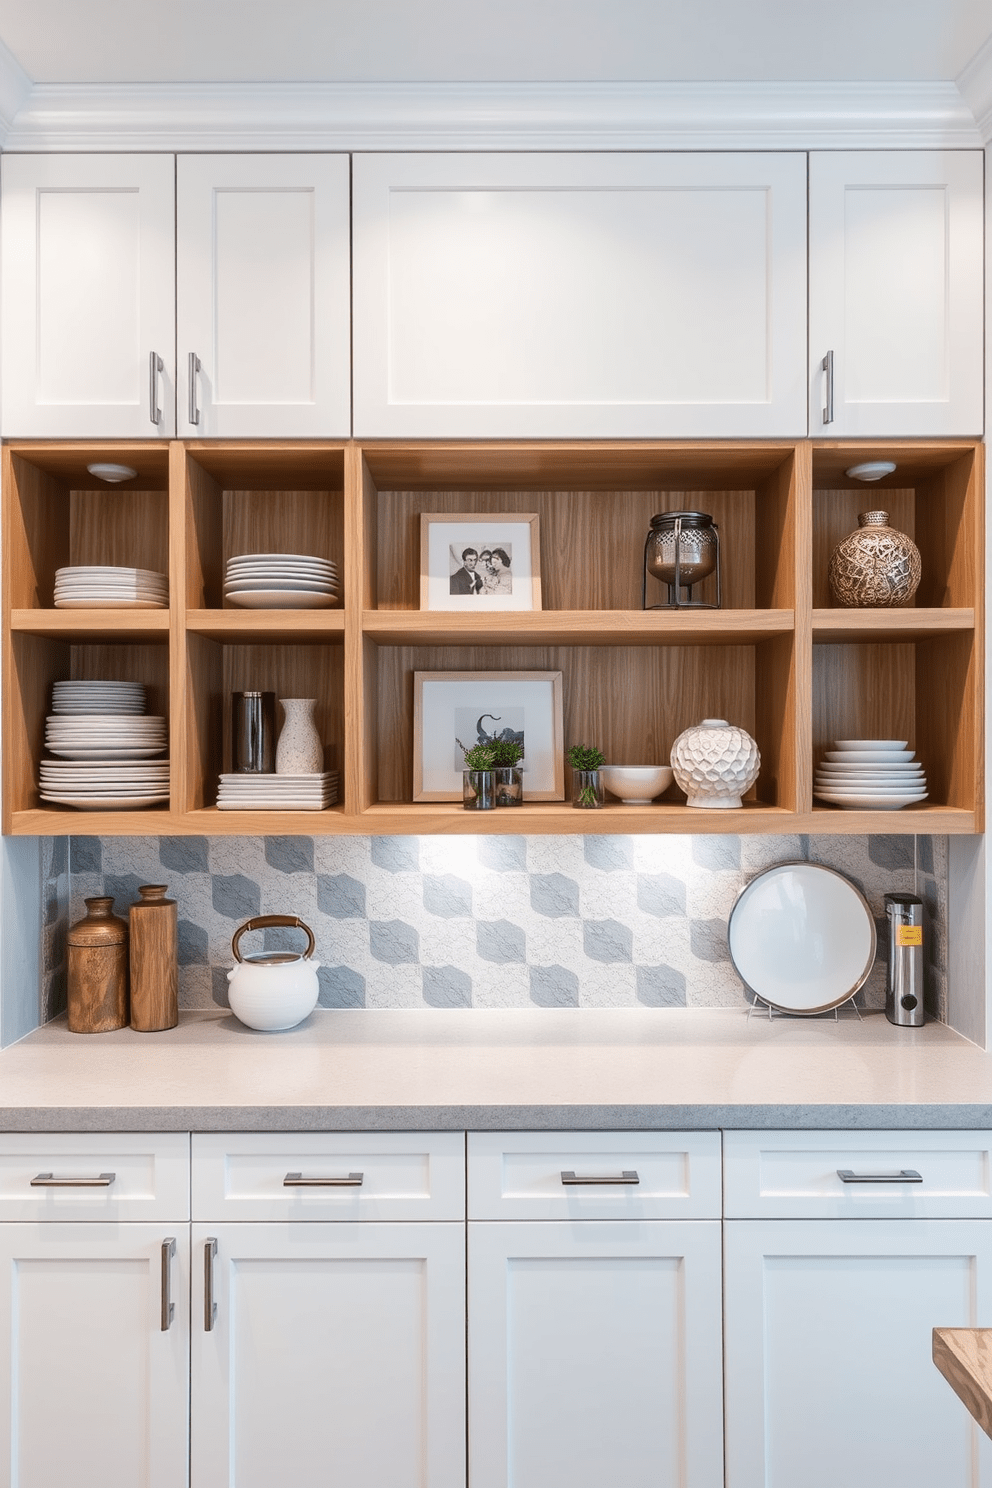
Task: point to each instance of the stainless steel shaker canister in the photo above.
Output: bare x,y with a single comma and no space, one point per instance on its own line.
904,989
253,732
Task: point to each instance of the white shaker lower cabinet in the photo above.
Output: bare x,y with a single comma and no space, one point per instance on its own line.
263,268
89,296
94,1373
594,1343
895,293
615,295
829,1377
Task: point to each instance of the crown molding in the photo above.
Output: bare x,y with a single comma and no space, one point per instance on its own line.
480,116
974,84
15,89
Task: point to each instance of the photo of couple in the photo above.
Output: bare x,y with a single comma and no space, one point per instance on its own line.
482,570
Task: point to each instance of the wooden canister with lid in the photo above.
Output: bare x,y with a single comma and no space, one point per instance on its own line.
154,961
98,969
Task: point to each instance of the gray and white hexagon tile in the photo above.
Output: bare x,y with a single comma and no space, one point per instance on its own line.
482,921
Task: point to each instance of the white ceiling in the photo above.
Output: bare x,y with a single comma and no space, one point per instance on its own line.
119,41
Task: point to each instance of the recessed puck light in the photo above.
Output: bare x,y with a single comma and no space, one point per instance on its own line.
112,473
871,470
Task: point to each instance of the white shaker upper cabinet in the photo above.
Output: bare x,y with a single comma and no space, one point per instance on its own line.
580,295
263,281
895,293
89,306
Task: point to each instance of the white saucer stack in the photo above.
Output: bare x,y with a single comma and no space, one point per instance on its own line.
105,743
281,581
250,791
82,588
870,775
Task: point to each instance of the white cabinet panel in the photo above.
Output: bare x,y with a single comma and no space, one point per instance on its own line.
88,294
263,294
93,1392
828,1367
337,1354
895,292
148,1176
595,1355
579,295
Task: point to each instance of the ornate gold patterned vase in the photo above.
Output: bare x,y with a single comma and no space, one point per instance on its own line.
875,566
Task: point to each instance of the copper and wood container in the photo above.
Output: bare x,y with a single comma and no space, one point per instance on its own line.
154,961
98,969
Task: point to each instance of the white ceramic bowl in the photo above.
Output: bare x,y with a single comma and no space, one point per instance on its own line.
636,785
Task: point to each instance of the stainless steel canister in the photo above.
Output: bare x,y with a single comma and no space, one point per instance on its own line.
253,732
904,989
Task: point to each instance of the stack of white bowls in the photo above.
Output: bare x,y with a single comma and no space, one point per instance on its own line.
81,588
870,775
105,746
281,581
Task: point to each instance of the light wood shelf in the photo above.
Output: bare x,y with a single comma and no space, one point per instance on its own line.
777,659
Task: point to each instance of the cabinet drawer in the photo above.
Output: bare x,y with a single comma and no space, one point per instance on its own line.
797,1175
591,1175
313,1175
51,1176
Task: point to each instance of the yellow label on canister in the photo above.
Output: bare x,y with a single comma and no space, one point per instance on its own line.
909,935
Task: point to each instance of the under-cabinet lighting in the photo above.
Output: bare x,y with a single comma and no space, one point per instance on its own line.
871,470
112,473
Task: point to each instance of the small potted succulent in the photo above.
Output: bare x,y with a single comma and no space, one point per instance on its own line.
507,754
478,777
587,783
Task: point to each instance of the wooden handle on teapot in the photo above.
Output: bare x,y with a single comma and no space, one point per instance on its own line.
263,922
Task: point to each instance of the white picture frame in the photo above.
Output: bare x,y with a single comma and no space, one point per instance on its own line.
449,706
449,581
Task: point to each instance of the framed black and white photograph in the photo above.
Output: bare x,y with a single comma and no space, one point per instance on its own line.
455,710
480,561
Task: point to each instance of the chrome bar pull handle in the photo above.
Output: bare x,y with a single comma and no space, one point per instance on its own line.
297,1180
194,368
904,1175
209,1305
827,366
628,1175
48,1180
155,366
168,1306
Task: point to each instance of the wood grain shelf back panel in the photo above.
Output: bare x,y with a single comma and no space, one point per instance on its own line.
271,465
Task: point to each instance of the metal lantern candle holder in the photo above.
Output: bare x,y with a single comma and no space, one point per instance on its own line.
681,549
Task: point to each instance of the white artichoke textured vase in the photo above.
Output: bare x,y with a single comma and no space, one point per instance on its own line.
299,750
715,764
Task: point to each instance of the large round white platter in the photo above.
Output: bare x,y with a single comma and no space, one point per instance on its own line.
111,604
870,802
802,937
104,803
101,752
283,599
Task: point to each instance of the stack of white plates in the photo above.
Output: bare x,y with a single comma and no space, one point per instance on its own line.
281,581
112,736
104,787
255,792
82,588
870,775
98,697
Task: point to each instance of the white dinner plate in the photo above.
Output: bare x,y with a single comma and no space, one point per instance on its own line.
104,752
870,802
111,604
893,776
252,586
869,743
281,565
110,575
284,599
277,558
104,803
802,937
869,756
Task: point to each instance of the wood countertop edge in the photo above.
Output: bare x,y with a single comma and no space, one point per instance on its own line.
964,1358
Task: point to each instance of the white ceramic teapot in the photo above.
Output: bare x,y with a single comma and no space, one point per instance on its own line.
273,990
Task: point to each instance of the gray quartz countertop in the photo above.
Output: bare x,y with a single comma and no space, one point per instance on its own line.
498,1070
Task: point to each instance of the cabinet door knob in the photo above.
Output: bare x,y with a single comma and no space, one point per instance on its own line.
209,1305
194,368
168,1306
628,1175
904,1175
155,366
828,392
48,1180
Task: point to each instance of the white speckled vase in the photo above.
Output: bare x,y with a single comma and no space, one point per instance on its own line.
299,750
715,764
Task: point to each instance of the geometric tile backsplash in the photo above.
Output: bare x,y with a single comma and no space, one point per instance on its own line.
425,922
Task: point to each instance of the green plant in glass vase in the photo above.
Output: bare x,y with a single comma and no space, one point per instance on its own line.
587,788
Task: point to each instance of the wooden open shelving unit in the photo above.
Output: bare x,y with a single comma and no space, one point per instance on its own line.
777,659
